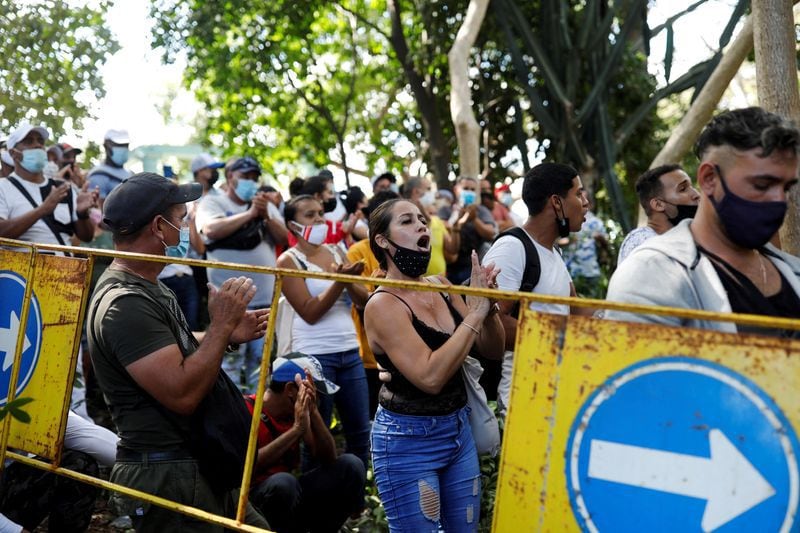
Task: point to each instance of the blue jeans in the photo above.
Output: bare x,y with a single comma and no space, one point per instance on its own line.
426,469
352,400
188,299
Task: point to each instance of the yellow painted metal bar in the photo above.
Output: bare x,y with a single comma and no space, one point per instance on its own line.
133,493
20,342
524,297
252,443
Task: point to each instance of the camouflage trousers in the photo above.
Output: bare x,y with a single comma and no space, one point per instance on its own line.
29,495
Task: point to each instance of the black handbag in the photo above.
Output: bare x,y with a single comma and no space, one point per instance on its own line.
245,238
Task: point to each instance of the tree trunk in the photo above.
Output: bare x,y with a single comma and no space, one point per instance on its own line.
701,110
426,101
776,76
467,129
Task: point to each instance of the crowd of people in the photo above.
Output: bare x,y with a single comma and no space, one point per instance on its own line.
388,360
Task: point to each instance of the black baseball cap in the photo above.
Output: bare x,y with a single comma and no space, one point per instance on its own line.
136,201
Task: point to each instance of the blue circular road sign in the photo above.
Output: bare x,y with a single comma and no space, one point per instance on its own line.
12,291
682,444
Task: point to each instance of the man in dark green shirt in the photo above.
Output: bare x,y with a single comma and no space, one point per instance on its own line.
153,371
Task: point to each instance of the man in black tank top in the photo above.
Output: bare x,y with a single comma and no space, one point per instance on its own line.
748,164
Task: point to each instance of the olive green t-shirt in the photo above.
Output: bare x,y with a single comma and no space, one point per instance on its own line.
127,326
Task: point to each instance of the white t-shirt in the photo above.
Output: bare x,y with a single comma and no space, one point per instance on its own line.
508,253
7,526
13,205
220,206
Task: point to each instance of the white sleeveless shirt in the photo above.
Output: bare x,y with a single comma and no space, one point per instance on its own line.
332,333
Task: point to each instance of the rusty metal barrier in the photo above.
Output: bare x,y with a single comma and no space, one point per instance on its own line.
501,520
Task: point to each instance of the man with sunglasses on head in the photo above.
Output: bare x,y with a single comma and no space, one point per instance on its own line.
722,260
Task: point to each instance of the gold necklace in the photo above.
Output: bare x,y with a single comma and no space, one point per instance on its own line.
763,272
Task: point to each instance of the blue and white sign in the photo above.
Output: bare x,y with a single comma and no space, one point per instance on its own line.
682,444
12,291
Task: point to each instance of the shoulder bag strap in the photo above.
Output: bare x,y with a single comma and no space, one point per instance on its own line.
48,220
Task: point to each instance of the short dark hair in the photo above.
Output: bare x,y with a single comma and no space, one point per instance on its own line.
543,181
649,185
290,209
379,221
315,184
410,185
748,128
352,198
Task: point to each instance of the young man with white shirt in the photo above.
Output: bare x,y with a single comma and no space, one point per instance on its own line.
35,209
557,204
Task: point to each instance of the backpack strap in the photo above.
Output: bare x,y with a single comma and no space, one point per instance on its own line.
533,268
49,220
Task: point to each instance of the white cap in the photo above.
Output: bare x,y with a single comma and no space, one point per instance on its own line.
7,158
205,160
117,136
22,131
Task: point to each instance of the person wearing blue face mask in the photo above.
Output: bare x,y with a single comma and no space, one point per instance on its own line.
475,225
242,226
158,376
723,260
111,172
35,209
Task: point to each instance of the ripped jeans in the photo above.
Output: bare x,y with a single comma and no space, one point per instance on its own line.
426,469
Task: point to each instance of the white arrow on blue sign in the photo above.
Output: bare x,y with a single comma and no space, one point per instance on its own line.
681,444
12,291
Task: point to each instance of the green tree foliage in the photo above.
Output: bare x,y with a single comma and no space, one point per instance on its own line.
583,69
51,50
287,80
296,80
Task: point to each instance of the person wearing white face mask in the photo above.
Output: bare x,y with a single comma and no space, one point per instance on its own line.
33,208
111,172
444,243
242,226
322,325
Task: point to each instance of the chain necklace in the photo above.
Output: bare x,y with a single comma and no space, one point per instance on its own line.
763,271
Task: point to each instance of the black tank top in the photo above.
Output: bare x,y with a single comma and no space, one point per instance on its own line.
745,297
401,396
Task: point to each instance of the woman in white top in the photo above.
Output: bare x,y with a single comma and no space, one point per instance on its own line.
322,325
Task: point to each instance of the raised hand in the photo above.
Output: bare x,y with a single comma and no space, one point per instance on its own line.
478,304
353,269
259,204
302,418
87,199
228,304
253,325
54,198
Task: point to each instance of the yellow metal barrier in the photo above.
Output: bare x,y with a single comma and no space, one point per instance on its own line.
543,370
